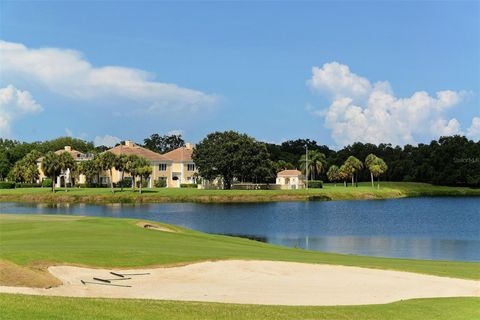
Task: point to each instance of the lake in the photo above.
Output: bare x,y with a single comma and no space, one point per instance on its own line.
446,228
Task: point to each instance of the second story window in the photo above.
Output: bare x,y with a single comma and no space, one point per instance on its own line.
191,167
162,167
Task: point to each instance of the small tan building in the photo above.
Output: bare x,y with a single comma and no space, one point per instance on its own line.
66,176
290,179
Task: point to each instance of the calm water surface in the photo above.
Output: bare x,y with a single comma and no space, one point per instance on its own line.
421,228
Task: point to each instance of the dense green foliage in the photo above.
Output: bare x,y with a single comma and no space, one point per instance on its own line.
12,151
315,184
232,155
7,185
111,242
163,144
451,160
47,308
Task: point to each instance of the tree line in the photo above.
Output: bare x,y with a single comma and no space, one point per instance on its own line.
453,160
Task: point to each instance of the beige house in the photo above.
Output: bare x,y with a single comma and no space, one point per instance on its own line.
65,176
290,179
175,167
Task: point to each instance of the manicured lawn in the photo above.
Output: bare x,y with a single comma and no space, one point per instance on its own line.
40,307
109,242
30,242
329,192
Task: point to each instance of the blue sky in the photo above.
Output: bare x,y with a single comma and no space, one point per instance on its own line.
245,66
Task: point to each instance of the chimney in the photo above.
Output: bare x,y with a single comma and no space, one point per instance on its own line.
188,146
129,143
68,148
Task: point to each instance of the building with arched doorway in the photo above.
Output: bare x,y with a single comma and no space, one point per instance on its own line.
290,179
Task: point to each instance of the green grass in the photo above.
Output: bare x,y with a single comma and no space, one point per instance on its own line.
40,307
109,242
329,192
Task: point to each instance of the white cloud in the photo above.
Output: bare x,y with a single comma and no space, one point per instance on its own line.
15,103
443,128
362,111
68,132
68,73
474,131
106,140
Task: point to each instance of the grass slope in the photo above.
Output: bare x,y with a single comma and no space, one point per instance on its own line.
329,192
108,242
39,307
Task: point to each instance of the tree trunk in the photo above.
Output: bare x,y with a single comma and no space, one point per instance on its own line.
111,180
133,183
378,183
227,184
353,181
141,182
345,183
53,184
65,181
371,176
121,182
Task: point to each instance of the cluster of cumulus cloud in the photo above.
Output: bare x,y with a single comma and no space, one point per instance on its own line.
370,112
15,103
68,73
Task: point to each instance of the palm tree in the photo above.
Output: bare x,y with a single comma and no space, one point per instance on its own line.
51,167
131,167
144,171
370,160
121,165
107,161
89,168
378,168
333,174
354,165
66,164
344,173
316,163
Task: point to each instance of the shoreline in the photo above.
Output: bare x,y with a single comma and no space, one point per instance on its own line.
225,196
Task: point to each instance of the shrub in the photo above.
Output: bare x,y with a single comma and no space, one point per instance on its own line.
188,185
46,183
143,182
160,183
315,184
125,183
7,185
28,185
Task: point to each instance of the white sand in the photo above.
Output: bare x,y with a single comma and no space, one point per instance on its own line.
260,282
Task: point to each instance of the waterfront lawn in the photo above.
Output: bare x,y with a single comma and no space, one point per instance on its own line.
329,192
42,307
37,241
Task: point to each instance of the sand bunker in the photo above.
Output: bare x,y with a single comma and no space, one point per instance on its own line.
259,282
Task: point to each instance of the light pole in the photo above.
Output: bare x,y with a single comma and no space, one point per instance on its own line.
306,165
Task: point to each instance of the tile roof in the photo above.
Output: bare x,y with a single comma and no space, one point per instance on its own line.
179,154
139,151
289,173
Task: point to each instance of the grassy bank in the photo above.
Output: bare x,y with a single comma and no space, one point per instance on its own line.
329,192
35,241
39,307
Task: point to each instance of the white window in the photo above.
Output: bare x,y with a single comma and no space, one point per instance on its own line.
162,167
190,167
